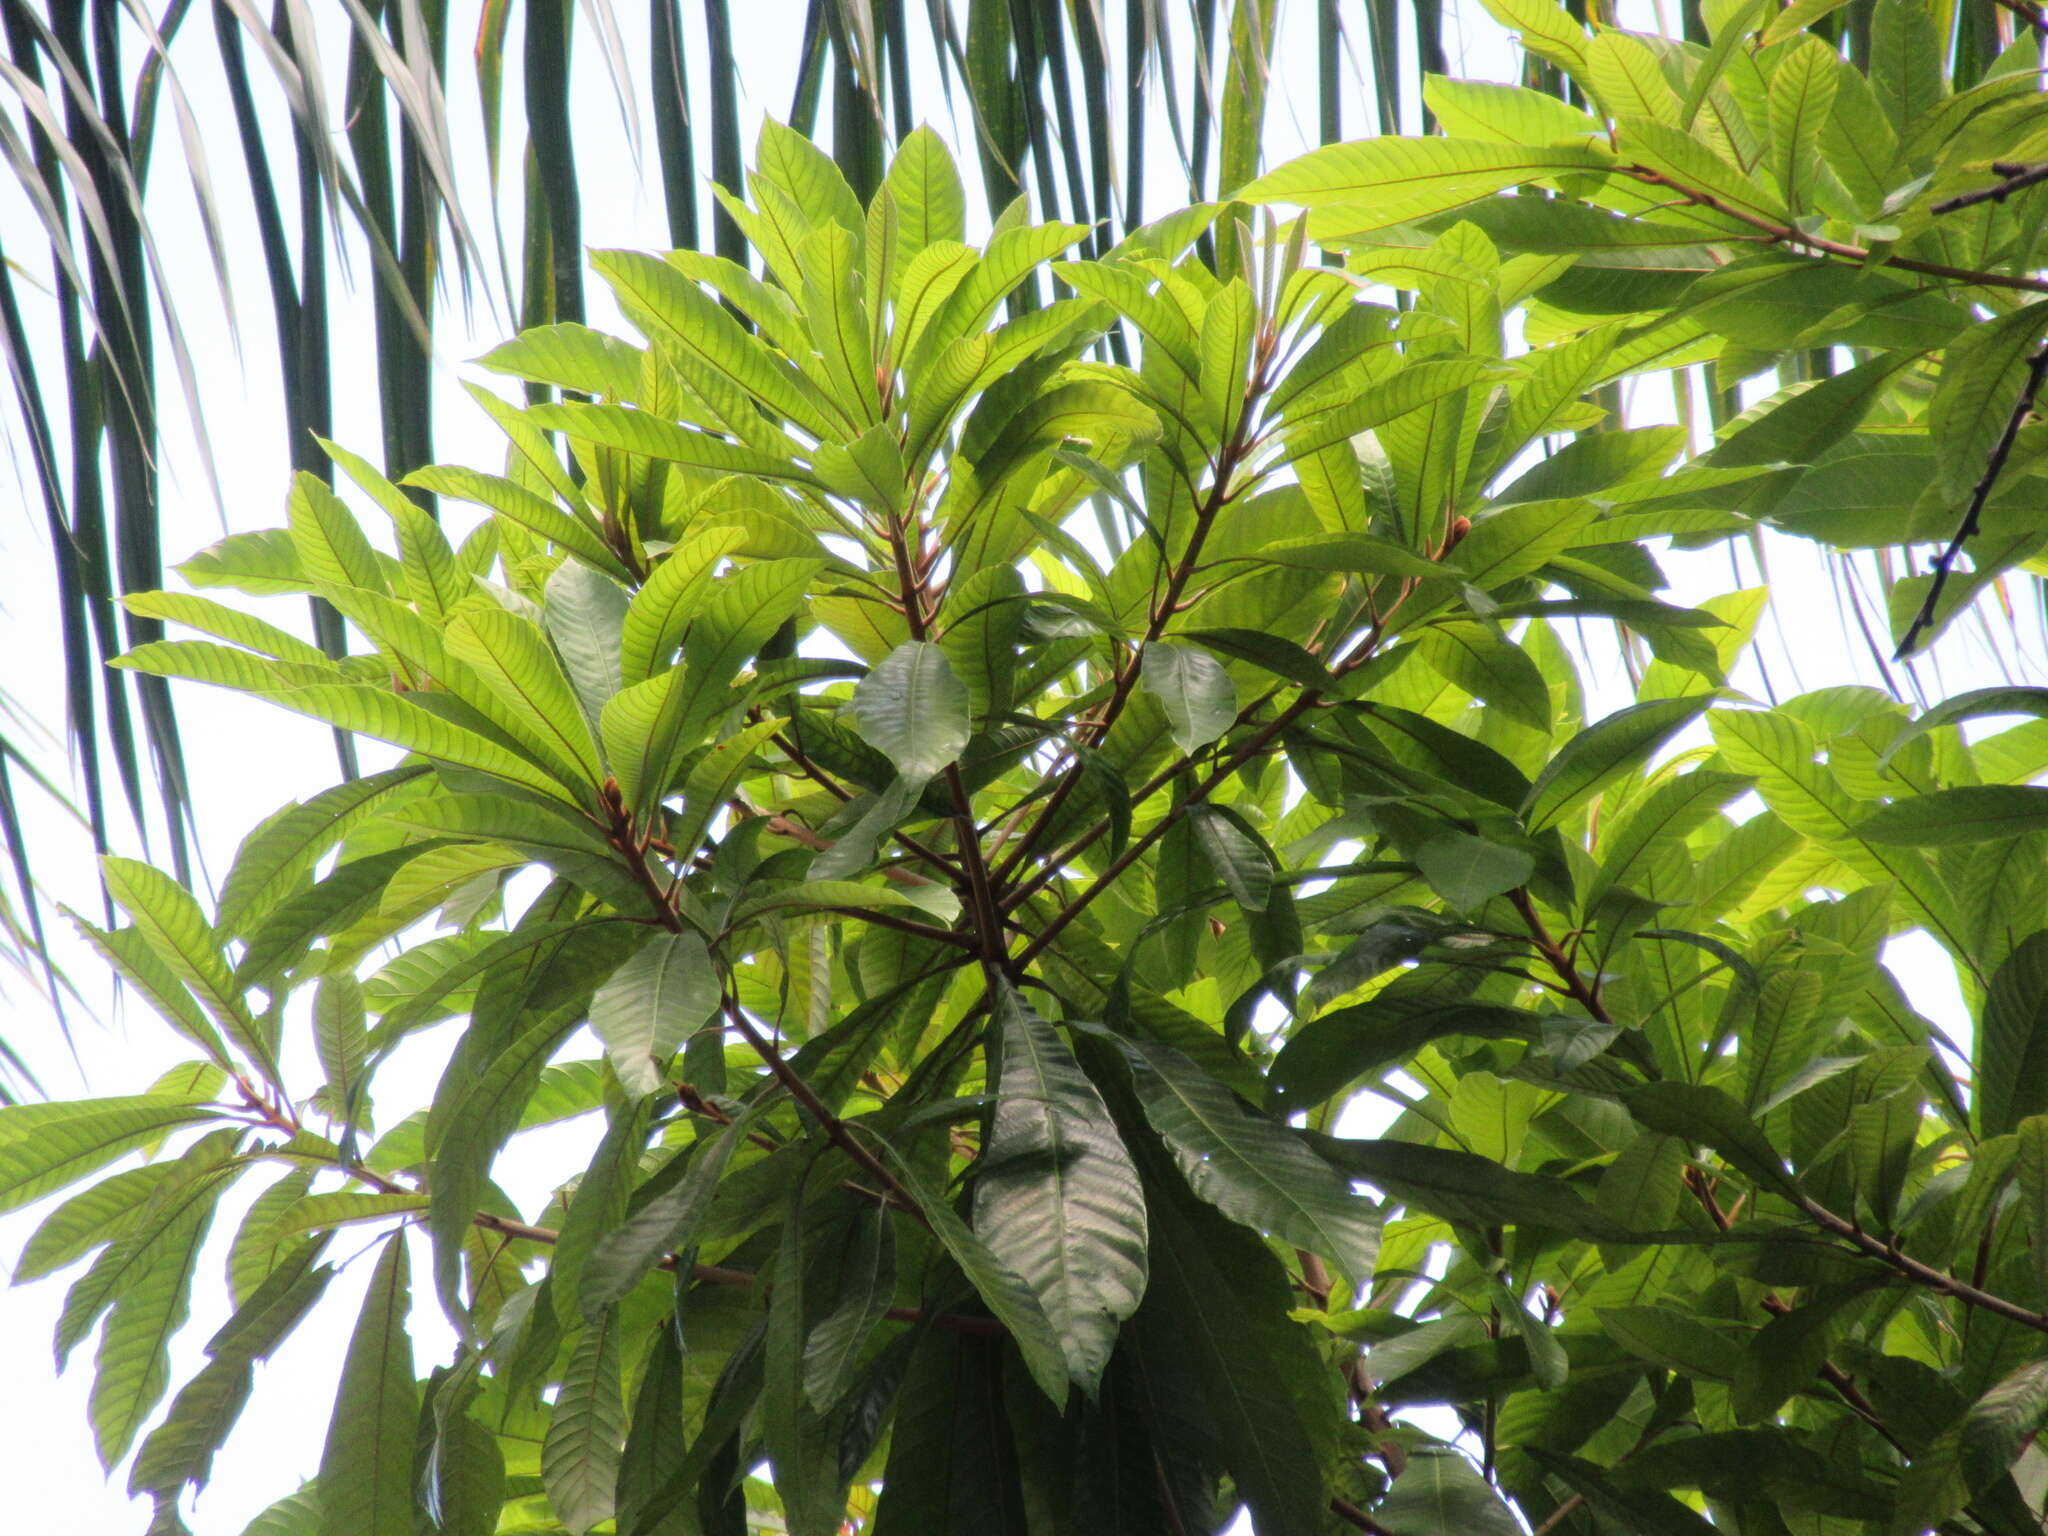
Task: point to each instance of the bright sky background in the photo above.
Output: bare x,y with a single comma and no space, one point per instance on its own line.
246,759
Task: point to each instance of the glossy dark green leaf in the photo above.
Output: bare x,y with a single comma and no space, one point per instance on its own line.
867,1281
651,1005
1439,1491
1058,1200
1705,1115
1467,1189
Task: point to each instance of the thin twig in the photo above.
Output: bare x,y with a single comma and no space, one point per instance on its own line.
1787,234
836,1129
2037,370
2018,178
1559,1515
1352,1515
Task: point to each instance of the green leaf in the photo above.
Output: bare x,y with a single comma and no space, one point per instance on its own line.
1974,705
1786,1353
262,564
1468,1190
1470,871
132,958
931,205
369,1440
1706,1115
662,611
1355,188
1982,374
1602,751
517,664
1802,95
389,717
39,1154
913,710
1969,813
704,341
2001,1423
802,1445
331,546
169,919
1325,1054
1254,1171
587,1431
664,1224
274,857
1199,699
1492,669
867,1283
651,1005
1002,1290
2012,1043
1214,1350
1240,858
151,1298
1440,1491
1058,1199
570,357
1674,1340
89,1219
585,615
529,511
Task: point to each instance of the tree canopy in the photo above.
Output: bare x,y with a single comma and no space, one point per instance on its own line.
1059,799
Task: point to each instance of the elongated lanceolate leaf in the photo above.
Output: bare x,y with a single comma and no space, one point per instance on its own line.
1251,1169
376,1409
579,1461
1058,1200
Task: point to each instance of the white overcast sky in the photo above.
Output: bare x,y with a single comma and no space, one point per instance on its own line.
246,759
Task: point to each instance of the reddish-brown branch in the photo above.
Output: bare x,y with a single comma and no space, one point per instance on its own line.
1790,235
836,1130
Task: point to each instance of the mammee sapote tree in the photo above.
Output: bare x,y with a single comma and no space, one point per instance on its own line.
981,766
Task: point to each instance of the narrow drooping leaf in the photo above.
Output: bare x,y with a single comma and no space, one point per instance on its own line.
1059,1200
369,1439
1254,1171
